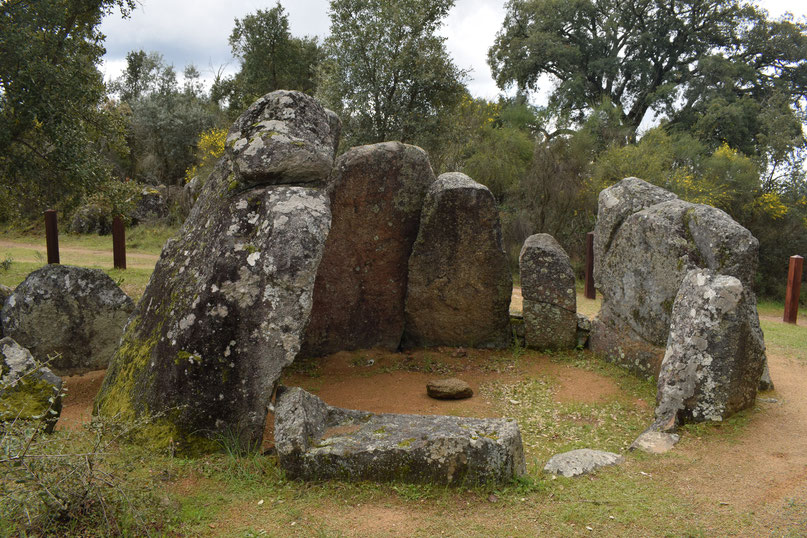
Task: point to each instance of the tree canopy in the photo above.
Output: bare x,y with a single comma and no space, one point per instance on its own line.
271,59
53,127
697,61
386,71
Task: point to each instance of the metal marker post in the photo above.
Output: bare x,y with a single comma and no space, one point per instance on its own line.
118,243
793,289
590,292
52,236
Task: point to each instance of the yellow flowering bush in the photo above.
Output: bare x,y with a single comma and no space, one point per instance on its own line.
208,151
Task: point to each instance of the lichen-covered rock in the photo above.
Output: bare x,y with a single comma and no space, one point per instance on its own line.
28,391
548,291
459,286
91,219
581,461
5,293
316,441
654,442
285,137
75,312
715,352
449,389
376,195
644,256
226,307
150,206
583,330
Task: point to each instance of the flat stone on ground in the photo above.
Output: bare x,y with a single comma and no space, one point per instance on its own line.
316,441
655,442
449,389
581,461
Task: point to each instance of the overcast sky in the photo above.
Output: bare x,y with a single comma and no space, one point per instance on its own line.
196,32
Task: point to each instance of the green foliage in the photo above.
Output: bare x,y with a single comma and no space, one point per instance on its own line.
271,59
54,130
386,71
114,198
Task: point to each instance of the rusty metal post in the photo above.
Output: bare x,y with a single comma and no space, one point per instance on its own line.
590,292
118,243
52,236
793,289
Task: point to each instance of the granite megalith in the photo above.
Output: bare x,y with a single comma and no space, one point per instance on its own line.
5,293
229,299
75,312
459,286
376,194
715,352
316,441
549,296
29,391
646,241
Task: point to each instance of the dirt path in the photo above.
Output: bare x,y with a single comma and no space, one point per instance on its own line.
151,258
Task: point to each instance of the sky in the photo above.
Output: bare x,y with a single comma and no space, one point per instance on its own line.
196,32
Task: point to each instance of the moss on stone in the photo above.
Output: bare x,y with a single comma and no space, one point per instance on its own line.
28,399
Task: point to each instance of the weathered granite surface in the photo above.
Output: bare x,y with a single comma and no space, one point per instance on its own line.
225,310
449,389
459,286
76,312
5,293
654,442
715,352
581,461
548,291
27,396
376,195
316,441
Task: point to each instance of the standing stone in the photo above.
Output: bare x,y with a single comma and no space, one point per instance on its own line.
459,283
75,312
715,352
644,256
28,391
548,291
229,299
376,198
151,205
5,293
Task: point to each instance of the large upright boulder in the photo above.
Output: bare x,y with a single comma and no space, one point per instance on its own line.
376,196
73,312
29,391
229,299
459,283
646,242
5,293
715,352
549,296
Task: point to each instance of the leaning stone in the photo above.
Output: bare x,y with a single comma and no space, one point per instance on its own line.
765,382
75,312
449,389
225,308
28,391
581,461
376,199
459,287
654,442
548,291
645,255
284,137
715,352
315,441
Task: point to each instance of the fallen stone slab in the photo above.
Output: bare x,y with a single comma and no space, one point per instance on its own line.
449,389
654,442
581,461
28,391
75,312
316,441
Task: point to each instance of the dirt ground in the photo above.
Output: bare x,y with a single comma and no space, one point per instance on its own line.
762,470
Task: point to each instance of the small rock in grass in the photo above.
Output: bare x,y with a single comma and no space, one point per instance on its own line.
655,442
449,389
581,461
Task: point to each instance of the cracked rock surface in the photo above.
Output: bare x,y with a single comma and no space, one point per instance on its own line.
581,461
316,441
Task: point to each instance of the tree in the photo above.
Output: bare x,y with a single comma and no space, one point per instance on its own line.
649,55
271,59
52,122
164,121
387,73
